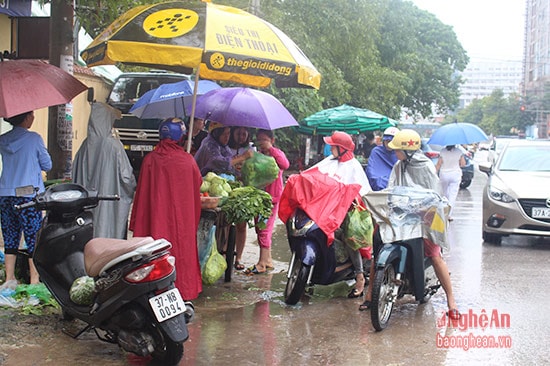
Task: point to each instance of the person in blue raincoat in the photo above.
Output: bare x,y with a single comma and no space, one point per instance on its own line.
381,161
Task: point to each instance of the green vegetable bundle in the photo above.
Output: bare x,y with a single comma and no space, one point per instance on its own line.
246,203
259,171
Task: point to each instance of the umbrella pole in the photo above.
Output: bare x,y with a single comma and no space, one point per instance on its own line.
192,117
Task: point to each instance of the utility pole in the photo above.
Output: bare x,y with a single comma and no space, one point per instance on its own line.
255,7
60,118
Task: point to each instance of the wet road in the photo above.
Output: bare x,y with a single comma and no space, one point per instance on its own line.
246,322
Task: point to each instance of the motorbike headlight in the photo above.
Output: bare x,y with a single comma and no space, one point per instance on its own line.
498,195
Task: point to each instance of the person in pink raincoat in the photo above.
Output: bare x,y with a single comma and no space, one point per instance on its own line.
264,142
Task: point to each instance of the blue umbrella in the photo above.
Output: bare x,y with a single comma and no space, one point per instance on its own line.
170,100
457,134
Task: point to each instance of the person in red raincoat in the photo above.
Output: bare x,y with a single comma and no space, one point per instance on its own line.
167,204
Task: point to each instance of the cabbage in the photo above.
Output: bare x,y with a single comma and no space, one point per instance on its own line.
216,190
205,186
209,176
82,290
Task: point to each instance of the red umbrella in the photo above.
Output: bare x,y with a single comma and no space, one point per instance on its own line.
27,85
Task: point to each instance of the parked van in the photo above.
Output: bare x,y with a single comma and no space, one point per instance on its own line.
139,136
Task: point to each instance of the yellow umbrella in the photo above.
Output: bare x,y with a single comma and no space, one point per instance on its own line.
220,42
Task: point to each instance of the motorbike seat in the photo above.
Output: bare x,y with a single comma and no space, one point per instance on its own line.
100,251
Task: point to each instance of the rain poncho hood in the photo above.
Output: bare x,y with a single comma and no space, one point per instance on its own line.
24,157
379,167
347,170
101,164
418,171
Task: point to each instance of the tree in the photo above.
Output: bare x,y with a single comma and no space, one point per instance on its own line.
497,114
382,55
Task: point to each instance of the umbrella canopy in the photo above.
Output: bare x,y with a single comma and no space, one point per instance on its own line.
27,85
457,134
244,107
223,42
170,100
344,118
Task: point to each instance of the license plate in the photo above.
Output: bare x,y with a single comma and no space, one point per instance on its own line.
141,147
167,305
540,212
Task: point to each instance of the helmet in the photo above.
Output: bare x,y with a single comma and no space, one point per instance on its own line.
213,125
405,140
171,128
341,139
389,133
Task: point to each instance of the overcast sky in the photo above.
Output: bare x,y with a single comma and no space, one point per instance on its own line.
487,29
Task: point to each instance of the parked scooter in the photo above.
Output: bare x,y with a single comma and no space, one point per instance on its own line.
404,216
135,303
313,262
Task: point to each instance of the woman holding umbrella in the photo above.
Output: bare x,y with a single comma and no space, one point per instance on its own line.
24,157
449,165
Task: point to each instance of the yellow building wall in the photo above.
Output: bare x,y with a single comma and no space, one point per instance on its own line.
81,111
5,24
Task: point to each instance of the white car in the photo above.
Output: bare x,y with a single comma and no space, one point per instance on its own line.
516,198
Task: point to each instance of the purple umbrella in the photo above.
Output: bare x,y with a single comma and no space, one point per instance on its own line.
244,107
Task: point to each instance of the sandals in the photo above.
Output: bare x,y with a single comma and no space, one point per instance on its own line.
253,270
238,266
365,305
355,293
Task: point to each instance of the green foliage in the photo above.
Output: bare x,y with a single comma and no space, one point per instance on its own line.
382,55
27,296
497,114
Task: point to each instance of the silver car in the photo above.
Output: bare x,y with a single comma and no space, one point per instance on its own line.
516,199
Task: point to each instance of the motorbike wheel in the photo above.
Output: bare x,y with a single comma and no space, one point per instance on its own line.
382,301
167,352
297,281
465,183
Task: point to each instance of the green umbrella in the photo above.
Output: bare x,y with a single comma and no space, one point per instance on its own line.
344,118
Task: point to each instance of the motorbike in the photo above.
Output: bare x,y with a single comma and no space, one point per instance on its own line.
401,267
135,303
313,262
